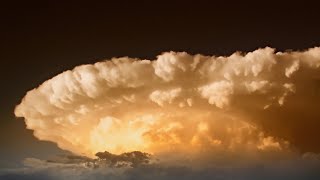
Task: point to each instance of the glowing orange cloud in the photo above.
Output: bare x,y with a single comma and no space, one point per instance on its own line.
178,102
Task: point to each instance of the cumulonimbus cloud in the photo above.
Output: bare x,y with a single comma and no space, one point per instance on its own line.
258,101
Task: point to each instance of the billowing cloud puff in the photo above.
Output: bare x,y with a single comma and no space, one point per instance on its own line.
258,101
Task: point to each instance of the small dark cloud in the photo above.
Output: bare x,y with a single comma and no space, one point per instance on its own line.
134,158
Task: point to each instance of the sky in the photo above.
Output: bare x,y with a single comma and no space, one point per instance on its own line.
40,40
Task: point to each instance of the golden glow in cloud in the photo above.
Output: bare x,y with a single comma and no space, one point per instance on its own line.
177,102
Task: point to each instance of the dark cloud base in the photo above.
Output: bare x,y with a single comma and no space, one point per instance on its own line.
297,169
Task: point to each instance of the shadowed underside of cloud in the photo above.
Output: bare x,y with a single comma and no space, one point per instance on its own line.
306,167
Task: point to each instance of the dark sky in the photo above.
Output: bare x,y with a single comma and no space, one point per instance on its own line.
40,40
